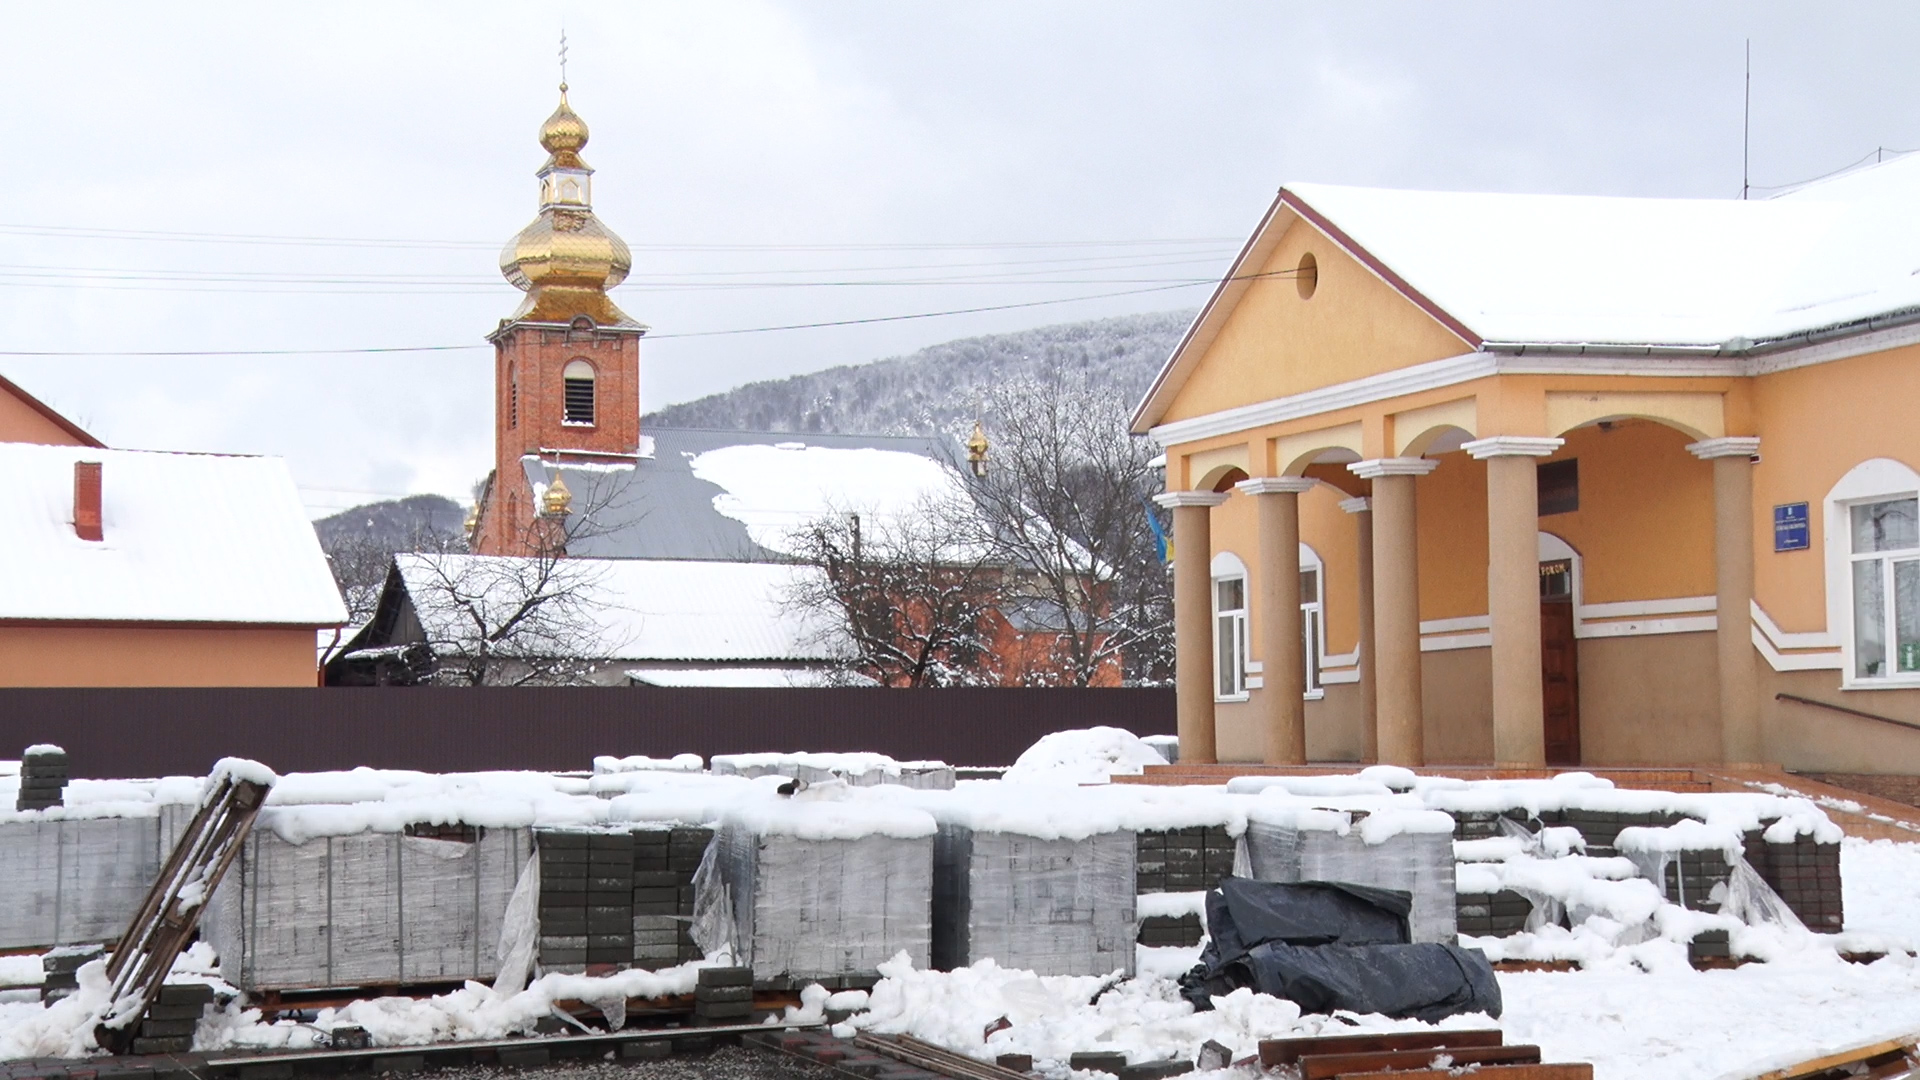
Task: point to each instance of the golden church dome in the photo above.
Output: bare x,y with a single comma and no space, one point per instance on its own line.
566,260
563,135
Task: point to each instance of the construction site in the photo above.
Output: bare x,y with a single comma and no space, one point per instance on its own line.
1090,909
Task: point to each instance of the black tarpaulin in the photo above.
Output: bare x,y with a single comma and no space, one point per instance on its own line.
1329,946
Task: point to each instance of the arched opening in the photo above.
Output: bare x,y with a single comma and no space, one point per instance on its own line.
578,379
1221,478
1439,439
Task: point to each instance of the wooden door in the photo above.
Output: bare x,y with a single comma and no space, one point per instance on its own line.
1560,680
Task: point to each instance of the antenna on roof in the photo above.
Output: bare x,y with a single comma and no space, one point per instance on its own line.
1746,115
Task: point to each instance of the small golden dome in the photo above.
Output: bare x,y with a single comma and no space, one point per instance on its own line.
557,501
563,135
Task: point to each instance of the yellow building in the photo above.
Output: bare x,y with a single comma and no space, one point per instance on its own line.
1532,479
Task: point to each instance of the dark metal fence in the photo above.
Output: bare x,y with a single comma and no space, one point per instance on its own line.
170,731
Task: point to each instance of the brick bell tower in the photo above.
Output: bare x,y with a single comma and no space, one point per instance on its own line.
566,363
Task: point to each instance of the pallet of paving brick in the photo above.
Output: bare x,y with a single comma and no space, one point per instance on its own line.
817,889
66,880
1410,850
365,909
1183,860
1053,905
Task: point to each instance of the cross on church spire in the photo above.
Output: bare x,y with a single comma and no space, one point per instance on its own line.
563,61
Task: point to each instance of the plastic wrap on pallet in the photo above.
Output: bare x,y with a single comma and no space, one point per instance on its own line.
809,891
1060,906
1411,850
69,880
371,908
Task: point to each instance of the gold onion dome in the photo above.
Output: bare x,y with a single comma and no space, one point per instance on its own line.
566,260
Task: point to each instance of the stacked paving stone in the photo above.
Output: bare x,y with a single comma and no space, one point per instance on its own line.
1500,914
723,996
1600,828
1710,948
1180,860
1696,880
43,778
61,968
1050,905
169,1023
1289,845
1485,824
664,862
586,898
1806,874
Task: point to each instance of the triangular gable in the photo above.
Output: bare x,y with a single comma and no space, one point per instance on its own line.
25,418
1288,208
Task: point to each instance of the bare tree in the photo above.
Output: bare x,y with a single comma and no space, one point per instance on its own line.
918,600
536,618
1063,504
360,561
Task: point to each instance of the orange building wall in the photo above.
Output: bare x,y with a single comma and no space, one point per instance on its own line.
142,656
21,422
1644,529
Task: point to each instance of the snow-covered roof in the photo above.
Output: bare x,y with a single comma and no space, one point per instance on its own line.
1581,269
639,609
186,538
731,495
1604,273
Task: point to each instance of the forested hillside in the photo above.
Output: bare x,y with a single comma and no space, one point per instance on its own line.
936,389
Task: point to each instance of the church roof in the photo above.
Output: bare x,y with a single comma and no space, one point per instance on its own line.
734,495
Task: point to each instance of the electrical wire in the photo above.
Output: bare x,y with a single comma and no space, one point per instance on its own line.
650,337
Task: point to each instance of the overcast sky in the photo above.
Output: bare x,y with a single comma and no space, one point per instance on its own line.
770,162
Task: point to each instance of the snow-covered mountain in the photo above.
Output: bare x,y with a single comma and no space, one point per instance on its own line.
930,391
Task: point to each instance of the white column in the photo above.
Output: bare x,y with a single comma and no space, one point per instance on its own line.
1396,605
1513,592
1193,620
1732,458
1279,704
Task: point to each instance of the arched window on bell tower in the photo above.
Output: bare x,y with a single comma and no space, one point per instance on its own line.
578,380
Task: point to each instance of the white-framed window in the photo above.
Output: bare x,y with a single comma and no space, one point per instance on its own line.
1312,622
1229,628
1872,540
1884,552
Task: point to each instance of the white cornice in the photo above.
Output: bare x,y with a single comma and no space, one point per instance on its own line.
1512,359
1511,446
1374,468
1276,485
1173,500
1359,504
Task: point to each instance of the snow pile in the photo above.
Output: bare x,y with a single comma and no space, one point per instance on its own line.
605,765
831,811
1075,813
855,768
1083,756
475,1011
303,806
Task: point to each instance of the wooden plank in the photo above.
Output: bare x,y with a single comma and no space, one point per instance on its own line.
1571,1071
1856,1055
1332,1066
1277,1052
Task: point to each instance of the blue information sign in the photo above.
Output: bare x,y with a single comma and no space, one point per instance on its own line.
1790,527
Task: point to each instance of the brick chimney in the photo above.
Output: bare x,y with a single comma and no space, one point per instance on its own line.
86,500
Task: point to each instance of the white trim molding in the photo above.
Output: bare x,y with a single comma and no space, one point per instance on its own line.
1511,446
1725,446
1359,504
1374,468
1690,624
1634,609
1173,500
1276,485
1388,384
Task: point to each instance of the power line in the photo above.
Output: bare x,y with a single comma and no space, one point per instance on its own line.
650,336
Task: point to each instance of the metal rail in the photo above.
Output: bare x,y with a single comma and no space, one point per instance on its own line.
935,1058
1796,698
